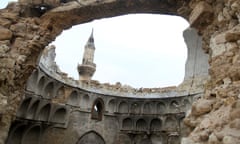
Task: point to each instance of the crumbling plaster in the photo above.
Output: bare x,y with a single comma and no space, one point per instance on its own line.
214,118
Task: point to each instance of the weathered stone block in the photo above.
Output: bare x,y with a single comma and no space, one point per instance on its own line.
201,14
230,140
5,22
6,34
235,124
7,63
10,16
202,106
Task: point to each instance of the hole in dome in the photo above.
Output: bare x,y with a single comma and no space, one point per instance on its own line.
140,50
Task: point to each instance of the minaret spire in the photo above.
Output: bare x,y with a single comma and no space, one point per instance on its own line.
88,67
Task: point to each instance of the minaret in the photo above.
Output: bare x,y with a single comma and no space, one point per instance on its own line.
87,68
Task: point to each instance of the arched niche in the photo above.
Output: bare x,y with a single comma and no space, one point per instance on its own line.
24,107
44,113
161,108
171,124
174,106
156,125
59,116
16,133
91,138
141,125
33,109
32,135
60,92
123,107
41,84
84,101
32,81
48,90
111,106
73,99
149,108
127,124
97,109
135,108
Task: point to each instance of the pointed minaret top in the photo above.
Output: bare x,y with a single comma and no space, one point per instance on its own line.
90,42
88,67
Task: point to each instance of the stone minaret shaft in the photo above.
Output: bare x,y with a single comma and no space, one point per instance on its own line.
87,68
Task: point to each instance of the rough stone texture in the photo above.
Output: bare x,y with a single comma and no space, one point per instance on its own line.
28,30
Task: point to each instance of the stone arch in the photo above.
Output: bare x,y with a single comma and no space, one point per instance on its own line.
97,109
16,133
59,116
156,125
73,99
161,108
85,101
141,125
41,84
60,92
24,107
148,108
51,24
135,108
33,110
171,123
48,90
112,105
123,107
174,106
127,124
44,112
91,138
32,135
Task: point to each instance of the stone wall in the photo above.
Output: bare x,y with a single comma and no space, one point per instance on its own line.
214,118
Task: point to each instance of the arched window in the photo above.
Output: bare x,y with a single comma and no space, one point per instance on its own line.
32,110
61,92
32,135
156,125
141,125
111,105
44,113
73,99
91,138
161,108
97,109
24,107
48,90
59,116
127,124
123,107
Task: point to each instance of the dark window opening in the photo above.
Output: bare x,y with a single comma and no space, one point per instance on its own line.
97,109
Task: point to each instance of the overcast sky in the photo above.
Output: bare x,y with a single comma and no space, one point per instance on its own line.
139,50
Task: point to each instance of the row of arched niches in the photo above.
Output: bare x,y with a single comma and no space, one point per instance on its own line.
51,104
